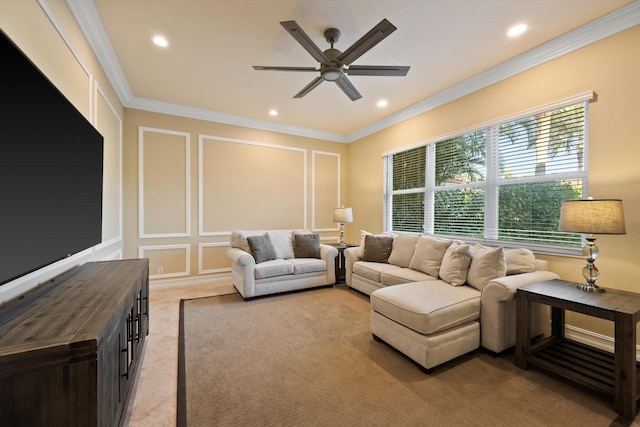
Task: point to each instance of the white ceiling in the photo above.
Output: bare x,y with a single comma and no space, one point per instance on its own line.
452,46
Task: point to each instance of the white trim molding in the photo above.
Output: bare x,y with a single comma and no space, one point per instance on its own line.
187,260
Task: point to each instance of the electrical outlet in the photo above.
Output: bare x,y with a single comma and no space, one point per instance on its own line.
160,270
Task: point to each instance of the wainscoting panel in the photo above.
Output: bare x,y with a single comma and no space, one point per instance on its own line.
164,185
250,185
212,258
167,260
325,190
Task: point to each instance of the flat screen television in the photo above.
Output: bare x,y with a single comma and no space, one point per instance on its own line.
51,161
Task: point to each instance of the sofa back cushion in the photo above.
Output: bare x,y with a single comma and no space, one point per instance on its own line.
239,238
282,242
519,260
486,264
428,254
455,264
402,252
377,248
261,248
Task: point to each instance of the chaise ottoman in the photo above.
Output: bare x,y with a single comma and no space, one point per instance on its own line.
431,322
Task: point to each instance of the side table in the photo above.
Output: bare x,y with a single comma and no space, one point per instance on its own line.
341,268
614,374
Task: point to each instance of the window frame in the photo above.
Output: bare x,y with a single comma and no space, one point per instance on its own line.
491,183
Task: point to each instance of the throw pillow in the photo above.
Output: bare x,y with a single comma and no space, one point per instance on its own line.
282,243
377,248
364,234
519,260
486,265
428,254
306,245
455,264
402,252
261,248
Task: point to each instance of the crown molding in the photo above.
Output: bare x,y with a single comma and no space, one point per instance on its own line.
89,21
229,119
601,28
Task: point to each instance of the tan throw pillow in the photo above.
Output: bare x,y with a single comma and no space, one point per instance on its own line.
306,245
455,264
428,254
519,260
377,248
402,252
486,264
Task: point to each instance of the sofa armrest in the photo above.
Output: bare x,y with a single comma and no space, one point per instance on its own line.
504,288
350,257
242,271
328,253
498,310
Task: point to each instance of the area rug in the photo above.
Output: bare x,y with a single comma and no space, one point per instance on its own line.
308,359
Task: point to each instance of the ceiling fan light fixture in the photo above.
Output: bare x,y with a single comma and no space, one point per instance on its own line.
331,74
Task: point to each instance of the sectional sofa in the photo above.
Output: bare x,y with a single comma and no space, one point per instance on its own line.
436,299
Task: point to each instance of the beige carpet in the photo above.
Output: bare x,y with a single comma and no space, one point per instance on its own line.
308,359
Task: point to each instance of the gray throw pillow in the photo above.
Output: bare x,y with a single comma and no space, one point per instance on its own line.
306,246
261,248
377,248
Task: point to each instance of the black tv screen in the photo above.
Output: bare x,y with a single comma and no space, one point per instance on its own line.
51,162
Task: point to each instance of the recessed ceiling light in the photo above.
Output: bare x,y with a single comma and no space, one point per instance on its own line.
273,112
382,103
516,30
160,41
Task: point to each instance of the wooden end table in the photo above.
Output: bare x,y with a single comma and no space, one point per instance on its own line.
341,267
614,374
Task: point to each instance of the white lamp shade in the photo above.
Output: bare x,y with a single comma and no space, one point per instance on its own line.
591,216
342,215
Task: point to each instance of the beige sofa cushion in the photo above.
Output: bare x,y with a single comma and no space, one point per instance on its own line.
307,265
455,264
519,260
428,254
372,270
427,307
277,267
486,264
396,276
402,252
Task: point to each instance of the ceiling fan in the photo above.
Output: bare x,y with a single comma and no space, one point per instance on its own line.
334,64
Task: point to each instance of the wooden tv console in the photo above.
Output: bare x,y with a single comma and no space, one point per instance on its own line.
69,350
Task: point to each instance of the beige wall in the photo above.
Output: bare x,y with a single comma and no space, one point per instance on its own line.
189,183
610,68
66,59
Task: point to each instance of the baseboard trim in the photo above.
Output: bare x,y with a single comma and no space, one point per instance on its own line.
189,281
593,339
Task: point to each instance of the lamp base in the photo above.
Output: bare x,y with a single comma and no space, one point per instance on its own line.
590,287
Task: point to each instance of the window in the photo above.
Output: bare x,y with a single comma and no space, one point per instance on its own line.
504,182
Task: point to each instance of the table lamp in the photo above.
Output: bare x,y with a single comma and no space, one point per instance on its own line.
592,216
342,215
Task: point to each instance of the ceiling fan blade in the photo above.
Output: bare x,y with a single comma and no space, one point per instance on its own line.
308,88
377,70
301,37
366,42
349,89
269,68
